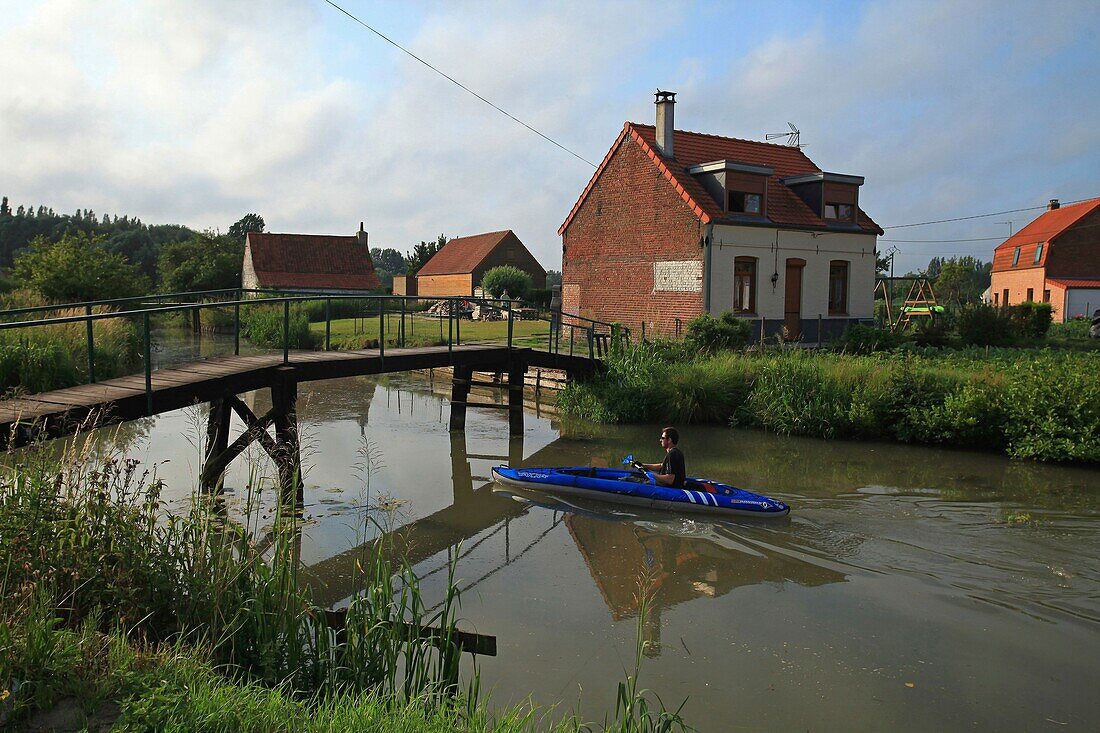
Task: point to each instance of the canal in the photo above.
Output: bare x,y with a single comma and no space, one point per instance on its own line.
912,589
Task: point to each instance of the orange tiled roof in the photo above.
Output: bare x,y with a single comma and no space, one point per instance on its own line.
1074,283
1043,228
311,261
463,254
693,148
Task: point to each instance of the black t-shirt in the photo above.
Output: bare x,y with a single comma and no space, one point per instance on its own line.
674,464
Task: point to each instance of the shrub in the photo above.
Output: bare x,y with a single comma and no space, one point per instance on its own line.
1030,320
710,334
981,324
858,339
1076,328
1053,409
506,279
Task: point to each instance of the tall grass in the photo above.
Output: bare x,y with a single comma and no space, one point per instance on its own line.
1041,405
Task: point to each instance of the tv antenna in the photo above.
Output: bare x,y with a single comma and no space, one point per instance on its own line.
792,136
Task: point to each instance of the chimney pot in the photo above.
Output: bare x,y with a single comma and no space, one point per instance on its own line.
1054,204
361,235
665,102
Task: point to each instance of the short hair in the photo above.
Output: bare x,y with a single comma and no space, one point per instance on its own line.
672,433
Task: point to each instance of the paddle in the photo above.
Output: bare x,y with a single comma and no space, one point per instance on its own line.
629,461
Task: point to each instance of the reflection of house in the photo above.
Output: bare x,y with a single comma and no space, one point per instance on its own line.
311,262
457,268
682,568
674,224
1054,259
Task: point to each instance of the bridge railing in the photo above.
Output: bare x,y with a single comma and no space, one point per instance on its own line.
352,320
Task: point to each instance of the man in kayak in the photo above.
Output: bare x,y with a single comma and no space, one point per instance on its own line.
673,470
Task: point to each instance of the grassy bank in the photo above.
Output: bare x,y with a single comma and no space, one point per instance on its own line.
1031,404
111,607
420,330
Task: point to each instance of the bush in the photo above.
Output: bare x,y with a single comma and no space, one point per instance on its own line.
1053,409
858,339
1031,320
1076,328
710,334
981,324
506,279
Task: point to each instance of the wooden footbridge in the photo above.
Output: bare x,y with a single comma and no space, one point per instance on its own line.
221,380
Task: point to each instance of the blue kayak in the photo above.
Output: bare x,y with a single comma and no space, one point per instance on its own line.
634,487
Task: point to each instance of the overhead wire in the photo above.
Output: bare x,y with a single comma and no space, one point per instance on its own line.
459,84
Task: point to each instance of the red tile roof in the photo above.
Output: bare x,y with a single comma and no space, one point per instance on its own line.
693,148
1043,228
311,261
1067,283
463,254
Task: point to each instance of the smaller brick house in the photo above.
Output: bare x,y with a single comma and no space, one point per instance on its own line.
675,224
311,262
1055,259
458,267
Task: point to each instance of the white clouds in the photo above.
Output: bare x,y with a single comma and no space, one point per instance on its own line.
197,112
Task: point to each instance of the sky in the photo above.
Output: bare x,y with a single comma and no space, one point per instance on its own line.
197,112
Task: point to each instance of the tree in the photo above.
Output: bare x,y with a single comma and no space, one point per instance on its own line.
553,277
421,254
78,267
5,210
205,262
961,279
506,279
247,223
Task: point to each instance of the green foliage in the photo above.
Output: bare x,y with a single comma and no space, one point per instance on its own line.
982,324
1071,330
264,325
204,262
859,339
76,268
1052,407
247,223
959,280
710,334
421,253
1031,320
506,279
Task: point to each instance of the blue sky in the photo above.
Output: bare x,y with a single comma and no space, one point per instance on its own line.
198,112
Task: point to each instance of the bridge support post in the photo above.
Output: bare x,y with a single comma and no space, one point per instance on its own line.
217,441
287,455
461,474
515,398
460,392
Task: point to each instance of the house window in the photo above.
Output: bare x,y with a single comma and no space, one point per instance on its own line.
744,285
840,212
745,203
1015,256
996,298
1046,295
1004,297
1038,252
1030,294
838,287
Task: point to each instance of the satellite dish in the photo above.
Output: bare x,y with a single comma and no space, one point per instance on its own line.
792,136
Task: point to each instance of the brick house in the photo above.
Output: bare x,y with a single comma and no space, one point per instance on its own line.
1054,259
457,268
312,262
674,224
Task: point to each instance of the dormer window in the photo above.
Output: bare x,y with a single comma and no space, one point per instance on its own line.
744,203
1015,256
741,189
839,212
1038,253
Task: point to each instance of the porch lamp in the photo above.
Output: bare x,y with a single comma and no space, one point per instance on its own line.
775,279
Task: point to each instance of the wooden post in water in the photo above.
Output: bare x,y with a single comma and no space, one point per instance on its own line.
515,398
460,392
288,457
217,441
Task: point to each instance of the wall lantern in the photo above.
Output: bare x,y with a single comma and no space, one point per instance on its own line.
775,279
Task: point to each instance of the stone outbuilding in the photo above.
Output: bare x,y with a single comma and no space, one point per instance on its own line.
310,262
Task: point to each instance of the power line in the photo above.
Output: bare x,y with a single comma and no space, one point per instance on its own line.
979,216
459,84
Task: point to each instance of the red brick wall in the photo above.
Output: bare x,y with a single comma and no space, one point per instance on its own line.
1076,251
631,218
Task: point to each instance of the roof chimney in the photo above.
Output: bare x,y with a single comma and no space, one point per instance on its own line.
1054,204
665,102
361,235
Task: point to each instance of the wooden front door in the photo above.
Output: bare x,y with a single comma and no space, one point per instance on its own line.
792,301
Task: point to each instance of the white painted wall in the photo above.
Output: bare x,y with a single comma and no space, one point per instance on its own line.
729,242
249,280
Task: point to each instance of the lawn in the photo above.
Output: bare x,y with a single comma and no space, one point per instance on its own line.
357,333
